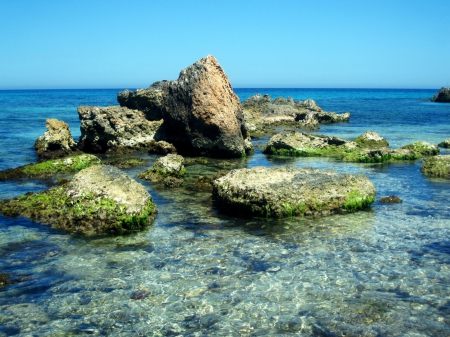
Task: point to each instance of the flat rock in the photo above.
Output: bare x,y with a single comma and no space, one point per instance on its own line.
286,191
116,128
437,166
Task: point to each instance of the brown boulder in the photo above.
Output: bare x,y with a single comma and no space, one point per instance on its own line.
56,142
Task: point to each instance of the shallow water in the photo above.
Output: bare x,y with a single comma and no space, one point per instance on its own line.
197,272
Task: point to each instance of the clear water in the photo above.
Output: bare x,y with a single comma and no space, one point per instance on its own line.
196,272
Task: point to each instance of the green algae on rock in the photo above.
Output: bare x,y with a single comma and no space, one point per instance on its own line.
47,168
287,191
438,166
171,165
423,148
98,200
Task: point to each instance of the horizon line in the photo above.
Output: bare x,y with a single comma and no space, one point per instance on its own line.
271,88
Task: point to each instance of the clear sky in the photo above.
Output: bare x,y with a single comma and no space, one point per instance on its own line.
304,44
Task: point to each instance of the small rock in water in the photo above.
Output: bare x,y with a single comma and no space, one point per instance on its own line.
140,294
391,200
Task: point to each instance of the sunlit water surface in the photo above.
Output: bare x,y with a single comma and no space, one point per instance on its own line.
197,272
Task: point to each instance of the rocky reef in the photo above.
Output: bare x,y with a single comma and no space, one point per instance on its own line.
98,200
50,168
443,96
367,148
116,128
262,113
202,114
437,166
56,142
287,191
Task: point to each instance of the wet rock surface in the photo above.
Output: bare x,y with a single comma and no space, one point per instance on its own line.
286,191
171,165
422,148
392,199
371,139
116,128
98,200
262,113
437,166
56,142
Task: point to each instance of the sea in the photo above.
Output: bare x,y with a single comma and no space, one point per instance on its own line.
197,272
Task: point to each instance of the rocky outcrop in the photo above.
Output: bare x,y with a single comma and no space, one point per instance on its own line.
116,128
443,96
99,199
437,166
169,169
371,139
445,143
149,101
202,114
262,112
56,142
49,168
423,148
287,191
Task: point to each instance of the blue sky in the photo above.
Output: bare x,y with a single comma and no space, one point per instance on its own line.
304,44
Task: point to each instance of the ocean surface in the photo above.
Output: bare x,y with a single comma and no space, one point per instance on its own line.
197,272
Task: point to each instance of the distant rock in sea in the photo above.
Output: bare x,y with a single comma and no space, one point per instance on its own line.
443,96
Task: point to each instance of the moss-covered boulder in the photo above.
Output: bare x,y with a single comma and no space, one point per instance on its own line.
51,167
287,191
371,139
171,165
445,143
423,148
98,200
437,166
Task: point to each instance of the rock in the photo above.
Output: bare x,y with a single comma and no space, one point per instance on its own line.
291,142
202,113
445,143
443,96
161,147
5,279
171,165
438,166
371,139
422,148
262,111
287,191
125,163
99,199
405,154
51,167
116,128
149,101
56,142
391,200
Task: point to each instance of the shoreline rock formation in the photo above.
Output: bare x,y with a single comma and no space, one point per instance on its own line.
98,200
287,191
262,113
443,96
56,142
201,112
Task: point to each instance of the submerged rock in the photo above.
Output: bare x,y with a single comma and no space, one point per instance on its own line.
371,139
171,165
116,128
438,166
202,114
99,199
262,111
445,143
51,167
56,142
443,96
286,191
392,199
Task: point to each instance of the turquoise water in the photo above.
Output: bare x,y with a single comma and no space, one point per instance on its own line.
382,272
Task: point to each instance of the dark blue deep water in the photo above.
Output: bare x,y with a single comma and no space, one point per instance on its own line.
383,272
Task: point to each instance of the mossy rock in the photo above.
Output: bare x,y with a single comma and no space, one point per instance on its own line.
286,191
437,166
98,200
423,148
125,163
371,140
445,143
51,167
171,165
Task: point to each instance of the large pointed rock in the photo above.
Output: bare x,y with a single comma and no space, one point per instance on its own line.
56,142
